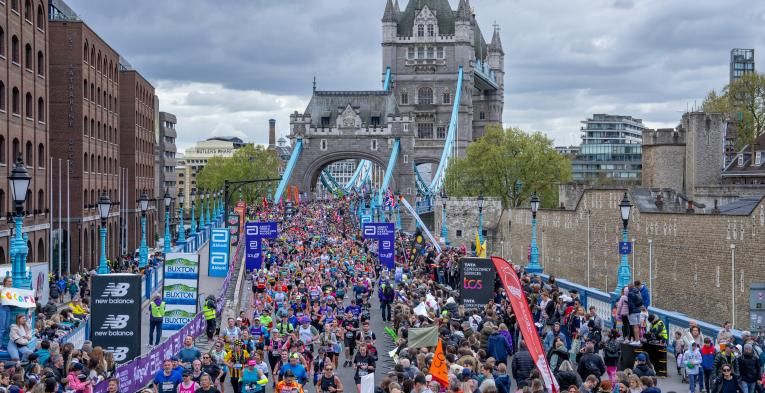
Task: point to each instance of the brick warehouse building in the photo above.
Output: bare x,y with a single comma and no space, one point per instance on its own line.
84,110
137,144
24,130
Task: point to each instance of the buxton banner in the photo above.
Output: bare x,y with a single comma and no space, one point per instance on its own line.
220,250
255,232
115,322
476,282
180,291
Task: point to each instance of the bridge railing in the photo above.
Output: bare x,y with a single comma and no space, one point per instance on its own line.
485,71
605,304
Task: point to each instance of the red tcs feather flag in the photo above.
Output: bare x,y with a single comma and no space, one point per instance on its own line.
514,292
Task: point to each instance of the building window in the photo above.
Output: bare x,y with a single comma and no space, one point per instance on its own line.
325,121
15,5
446,98
85,52
323,144
375,121
374,144
2,149
29,113
40,18
482,115
404,98
40,63
757,158
15,49
420,30
425,95
15,101
410,53
28,56
421,52
425,130
441,132
431,31
16,150
431,52
2,42
29,154
28,10
40,110
440,52
740,160
2,96
459,233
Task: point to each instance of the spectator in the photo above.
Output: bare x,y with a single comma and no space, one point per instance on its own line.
21,342
591,363
749,369
522,365
642,367
692,361
566,376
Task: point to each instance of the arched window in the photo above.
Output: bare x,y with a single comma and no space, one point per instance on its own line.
2,152
40,18
92,91
92,130
98,130
15,49
28,10
92,55
92,162
28,56
29,156
40,200
85,52
40,63
2,96
420,30
425,95
85,89
85,162
40,110
109,103
2,204
98,61
41,156
103,101
40,250
16,150
104,69
2,41
85,126
431,31
97,98
16,101
98,164
15,5
29,111
111,70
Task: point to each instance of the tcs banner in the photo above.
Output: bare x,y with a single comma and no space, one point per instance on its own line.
476,282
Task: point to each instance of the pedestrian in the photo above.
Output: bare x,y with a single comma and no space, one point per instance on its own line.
692,362
749,369
210,314
157,315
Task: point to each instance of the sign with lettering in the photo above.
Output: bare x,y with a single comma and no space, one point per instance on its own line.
625,248
220,249
24,298
254,233
385,234
476,282
115,323
180,291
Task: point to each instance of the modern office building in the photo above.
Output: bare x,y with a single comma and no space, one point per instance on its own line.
610,151
24,35
741,62
85,122
166,152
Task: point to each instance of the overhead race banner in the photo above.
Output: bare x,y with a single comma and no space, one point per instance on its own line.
384,233
476,282
180,291
115,322
255,232
520,305
220,252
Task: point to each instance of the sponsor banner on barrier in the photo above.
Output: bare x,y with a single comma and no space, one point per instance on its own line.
24,298
476,282
180,291
385,233
255,232
218,264
115,319
182,266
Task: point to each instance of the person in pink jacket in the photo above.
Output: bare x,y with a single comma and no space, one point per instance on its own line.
623,312
78,381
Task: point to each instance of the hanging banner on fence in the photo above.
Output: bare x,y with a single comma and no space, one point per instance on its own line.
254,233
233,227
220,251
520,305
384,233
477,282
115,319
180,291
24,298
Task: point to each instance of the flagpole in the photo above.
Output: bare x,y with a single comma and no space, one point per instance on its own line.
60,228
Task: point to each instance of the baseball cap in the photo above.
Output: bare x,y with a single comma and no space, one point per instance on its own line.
174,358
641,357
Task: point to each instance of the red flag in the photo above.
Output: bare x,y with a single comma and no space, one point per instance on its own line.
525,321
438,368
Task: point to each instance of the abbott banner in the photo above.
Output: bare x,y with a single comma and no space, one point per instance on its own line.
476,282
180,291
115,323
220,251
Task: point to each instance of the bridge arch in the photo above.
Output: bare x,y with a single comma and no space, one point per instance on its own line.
314,167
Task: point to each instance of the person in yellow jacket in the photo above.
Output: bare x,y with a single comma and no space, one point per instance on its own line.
209,312
157,310
79,310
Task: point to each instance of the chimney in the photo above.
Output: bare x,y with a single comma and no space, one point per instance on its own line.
271,132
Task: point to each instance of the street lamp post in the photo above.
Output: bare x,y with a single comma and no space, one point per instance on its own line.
534,266
624,275
444,229
19,181
104,205
201,209
143,252
167,199
193,228
480,217
181,230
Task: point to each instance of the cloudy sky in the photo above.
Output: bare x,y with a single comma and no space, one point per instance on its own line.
225,67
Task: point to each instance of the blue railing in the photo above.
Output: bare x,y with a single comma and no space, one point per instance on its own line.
389,171
288,170
485,72
451,136
605,302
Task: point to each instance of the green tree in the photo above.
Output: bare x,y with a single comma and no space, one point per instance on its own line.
743,99
509,164
248,163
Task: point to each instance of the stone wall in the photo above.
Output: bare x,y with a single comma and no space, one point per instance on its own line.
462,219
663,166
690,255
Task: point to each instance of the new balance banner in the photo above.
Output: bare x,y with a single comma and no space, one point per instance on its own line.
384,233
220,251
514,292
180,291
115,323
255,232
476,282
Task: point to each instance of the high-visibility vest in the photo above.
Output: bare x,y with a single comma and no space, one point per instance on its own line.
208,312
157,311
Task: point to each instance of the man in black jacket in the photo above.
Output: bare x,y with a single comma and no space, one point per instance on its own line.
749,369
591,363
522,366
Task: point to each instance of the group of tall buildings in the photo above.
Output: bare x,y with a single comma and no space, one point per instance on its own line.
612,145
85,123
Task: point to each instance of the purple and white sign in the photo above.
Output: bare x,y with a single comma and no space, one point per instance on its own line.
384,233
254,233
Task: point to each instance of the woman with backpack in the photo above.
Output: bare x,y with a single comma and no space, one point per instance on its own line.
611,354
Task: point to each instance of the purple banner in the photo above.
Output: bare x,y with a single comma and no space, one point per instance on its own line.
137,373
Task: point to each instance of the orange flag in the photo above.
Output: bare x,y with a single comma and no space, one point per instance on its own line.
438,368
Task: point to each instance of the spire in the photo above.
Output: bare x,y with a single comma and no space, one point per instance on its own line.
390,14
496,42
463,11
